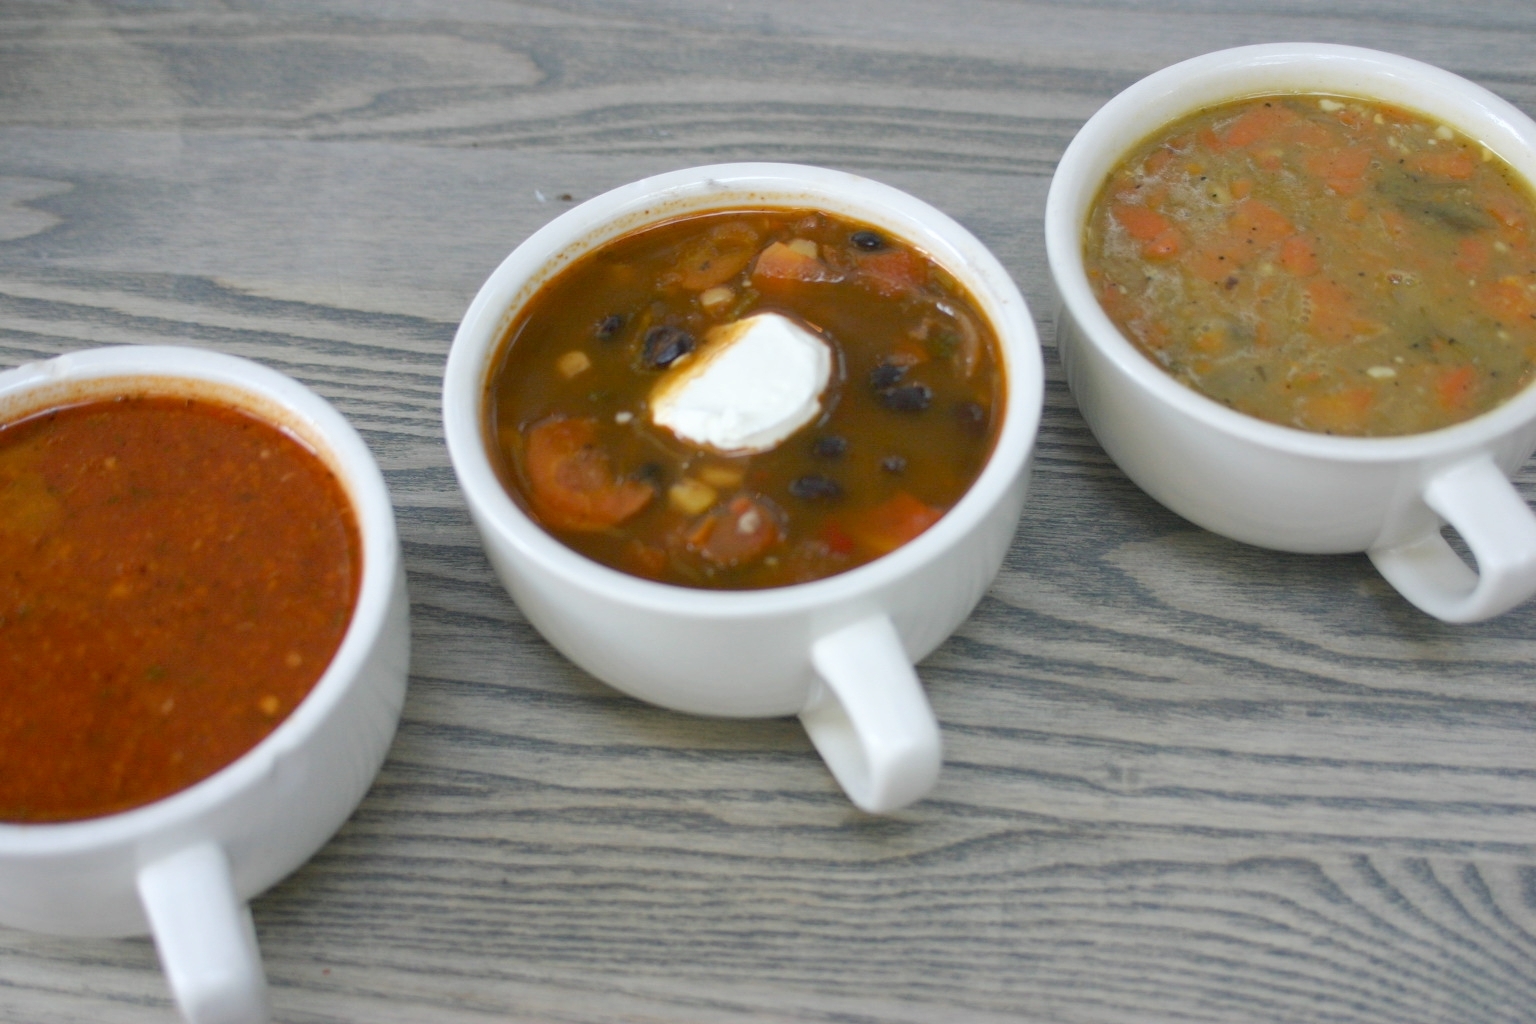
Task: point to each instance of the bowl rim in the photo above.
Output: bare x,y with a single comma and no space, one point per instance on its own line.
1321,68
747,185
303,414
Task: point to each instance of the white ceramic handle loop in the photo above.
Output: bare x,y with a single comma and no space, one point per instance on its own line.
871,723
1478,500
205,936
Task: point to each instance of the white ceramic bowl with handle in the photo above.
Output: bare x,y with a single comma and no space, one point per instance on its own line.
837,652
1276,486
183,867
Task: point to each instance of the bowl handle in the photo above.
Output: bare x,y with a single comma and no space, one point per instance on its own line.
205,936
871,722
1478,500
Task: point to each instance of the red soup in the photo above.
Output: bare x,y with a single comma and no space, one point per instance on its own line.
175,575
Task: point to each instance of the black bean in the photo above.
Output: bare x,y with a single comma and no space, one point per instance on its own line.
894,463
869,241
830,446
886,375
971,417
907,398
651,473
664,346
814,487
610,325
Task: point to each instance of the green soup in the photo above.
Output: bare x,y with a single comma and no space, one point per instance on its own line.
1322,262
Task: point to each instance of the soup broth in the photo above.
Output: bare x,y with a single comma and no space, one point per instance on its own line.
1323,262
901,428
175,575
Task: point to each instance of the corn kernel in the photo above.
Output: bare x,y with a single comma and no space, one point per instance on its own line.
690,496
572,363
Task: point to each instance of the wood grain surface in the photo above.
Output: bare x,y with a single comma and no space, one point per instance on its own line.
1186,780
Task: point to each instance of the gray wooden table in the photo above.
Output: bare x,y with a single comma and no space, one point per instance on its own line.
1186,780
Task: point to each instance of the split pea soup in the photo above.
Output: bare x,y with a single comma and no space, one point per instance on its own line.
1322,262
175,576
744,399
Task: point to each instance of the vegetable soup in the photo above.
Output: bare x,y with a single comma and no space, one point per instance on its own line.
1322,262
744,399
175,575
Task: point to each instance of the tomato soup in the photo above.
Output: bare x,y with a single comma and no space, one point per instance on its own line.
175,575
606,425
1323,262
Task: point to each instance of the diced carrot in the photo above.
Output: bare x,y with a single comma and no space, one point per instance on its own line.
1455,164
571,481
1338,412
893,522
1218,261
892,272
1507,211
1508,299
1307,135
1342,170
780,263
1241,188
1453,386
1258,223
1157,160
1158,237
907,352
1140,222
1351,117
1331,312
1473,255
1210,341
1298,256
1256,123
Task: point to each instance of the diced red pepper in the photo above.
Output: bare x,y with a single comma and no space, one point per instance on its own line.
893,522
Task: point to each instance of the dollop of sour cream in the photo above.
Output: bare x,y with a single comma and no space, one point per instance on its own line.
749,386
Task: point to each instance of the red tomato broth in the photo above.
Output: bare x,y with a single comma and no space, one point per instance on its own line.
859,482
1322,262
175,576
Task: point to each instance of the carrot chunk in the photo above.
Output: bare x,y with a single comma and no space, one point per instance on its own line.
780,263
1259,223
1256,124
1454,386
1338,412
893,522
1157,234
1473,255
893,272
1331,312
572,485
1509,299
1341,170
1455,164
1298,256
